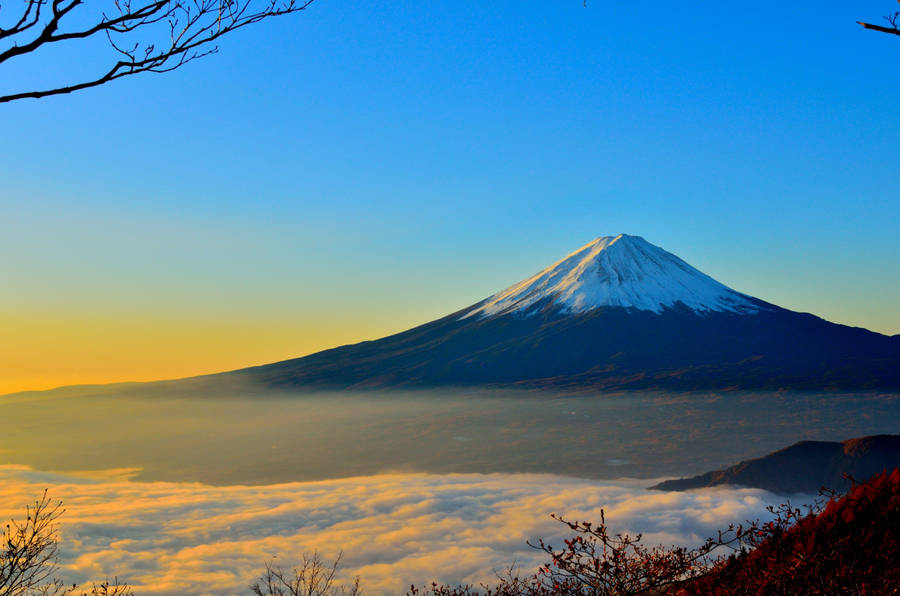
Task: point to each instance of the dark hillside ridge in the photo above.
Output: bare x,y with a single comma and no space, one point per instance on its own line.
804,467
851,546
618,313
607,348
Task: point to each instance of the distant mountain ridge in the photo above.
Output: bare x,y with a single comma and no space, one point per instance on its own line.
625,271
804,467
618,313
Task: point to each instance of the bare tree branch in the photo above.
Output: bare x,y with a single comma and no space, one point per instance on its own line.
893,30
313,577
892,19
28,557
29,551
150,36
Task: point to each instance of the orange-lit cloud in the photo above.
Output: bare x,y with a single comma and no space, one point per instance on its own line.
394,530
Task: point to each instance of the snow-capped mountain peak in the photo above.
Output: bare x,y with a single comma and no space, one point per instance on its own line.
623,270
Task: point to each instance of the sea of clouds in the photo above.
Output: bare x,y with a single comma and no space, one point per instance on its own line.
175,538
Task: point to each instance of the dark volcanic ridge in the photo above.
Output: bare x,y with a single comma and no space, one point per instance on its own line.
804,467
619,313
607,348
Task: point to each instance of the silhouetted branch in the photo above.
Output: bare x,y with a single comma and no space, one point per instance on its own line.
313,577
157,36
892,20
28,557
29,551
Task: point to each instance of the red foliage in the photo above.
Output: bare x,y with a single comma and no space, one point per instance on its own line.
851,546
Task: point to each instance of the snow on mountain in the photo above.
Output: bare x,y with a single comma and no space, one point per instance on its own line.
621,270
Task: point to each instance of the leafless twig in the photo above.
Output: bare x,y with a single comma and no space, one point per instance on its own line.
144,36
313,577
892,20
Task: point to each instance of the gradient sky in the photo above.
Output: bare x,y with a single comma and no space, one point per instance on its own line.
367,166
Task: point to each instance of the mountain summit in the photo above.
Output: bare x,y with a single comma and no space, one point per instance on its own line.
621,270
617,313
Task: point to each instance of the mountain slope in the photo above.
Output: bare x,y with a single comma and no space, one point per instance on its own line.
806,466
617,313
621,270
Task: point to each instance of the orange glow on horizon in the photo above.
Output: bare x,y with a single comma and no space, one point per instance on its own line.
46,351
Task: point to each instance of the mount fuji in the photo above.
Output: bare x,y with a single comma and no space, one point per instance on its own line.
617,313
624,271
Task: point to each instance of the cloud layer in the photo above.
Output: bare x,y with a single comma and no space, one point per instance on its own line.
169,538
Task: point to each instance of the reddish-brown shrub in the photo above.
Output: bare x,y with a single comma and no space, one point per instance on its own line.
851,545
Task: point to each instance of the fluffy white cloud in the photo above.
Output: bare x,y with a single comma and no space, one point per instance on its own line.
169,538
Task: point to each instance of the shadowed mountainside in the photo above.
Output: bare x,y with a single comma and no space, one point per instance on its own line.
804,467
607,348
617,313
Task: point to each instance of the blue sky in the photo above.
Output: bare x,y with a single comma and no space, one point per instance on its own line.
366,166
